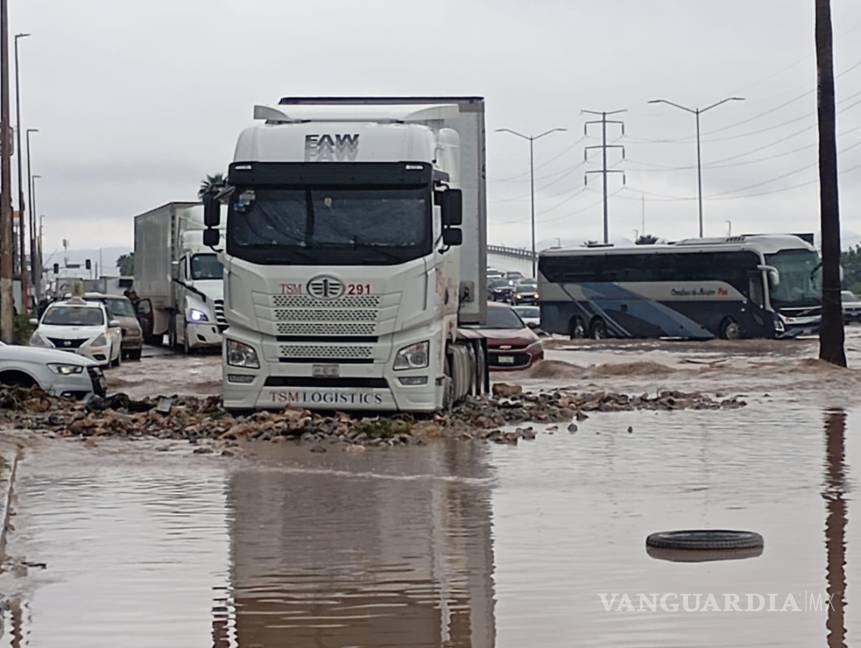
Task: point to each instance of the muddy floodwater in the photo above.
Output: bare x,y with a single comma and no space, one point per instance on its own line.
119,543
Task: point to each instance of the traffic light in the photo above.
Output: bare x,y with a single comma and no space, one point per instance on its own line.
56,268
88,264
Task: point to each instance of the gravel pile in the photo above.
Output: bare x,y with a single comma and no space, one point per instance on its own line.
497,418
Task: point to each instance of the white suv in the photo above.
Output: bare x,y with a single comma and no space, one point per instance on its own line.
80,327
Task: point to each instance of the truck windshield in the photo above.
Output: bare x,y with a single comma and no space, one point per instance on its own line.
330,226
206,266
800,278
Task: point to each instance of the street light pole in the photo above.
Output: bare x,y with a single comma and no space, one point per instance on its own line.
697,112
22,255
531,139
34,260
7,320
38,256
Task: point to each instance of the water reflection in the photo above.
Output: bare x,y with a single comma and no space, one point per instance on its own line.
358,555
835,525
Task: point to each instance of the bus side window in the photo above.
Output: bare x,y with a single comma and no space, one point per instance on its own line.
756,293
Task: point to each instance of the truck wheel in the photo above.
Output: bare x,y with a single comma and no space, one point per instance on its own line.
598,329
730,329
185,348
448,387
576,329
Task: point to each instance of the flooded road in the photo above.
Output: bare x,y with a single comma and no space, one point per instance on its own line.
450,544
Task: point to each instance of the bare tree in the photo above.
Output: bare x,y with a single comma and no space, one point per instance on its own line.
831,335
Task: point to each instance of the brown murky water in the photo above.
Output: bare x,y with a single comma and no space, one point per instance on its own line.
444,545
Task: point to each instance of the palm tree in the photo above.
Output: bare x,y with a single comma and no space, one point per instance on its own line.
210,183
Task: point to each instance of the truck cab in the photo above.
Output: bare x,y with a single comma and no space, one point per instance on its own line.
343,262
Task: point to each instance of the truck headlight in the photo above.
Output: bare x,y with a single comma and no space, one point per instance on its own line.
99,340
195,315
241,355
66,369
415,356
37,340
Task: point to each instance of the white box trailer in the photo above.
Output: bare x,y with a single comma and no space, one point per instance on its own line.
355,248
178,280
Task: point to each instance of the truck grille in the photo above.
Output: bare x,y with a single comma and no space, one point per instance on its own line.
306,301
350,316
220,319
327,352
326,328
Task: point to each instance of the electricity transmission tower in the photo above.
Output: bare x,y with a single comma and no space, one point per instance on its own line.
604,171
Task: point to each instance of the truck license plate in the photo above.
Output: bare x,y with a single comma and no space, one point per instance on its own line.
326,371
506,359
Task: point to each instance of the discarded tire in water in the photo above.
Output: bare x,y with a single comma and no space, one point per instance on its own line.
705,539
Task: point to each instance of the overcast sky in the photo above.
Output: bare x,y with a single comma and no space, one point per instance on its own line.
136,102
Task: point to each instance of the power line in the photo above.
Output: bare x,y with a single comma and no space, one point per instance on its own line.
543,164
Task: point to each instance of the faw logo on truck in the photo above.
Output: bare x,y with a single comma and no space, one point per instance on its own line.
325,287
339,147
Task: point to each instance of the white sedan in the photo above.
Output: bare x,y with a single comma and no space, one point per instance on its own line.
80,327
56,372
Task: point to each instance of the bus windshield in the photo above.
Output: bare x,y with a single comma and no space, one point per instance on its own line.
800,278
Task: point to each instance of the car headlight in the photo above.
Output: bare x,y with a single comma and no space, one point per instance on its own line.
196,315
66,369
37,340
415,356
100,340
241,355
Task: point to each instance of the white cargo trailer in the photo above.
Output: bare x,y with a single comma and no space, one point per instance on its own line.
177,279
355,247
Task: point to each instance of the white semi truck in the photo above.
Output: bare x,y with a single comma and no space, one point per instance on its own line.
178,280
354,255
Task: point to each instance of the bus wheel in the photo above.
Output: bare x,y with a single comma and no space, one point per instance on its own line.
598,330
730,329
577,330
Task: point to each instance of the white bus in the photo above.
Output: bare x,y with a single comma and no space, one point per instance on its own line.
755,286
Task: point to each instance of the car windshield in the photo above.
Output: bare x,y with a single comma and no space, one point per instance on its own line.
73,316
526,288
206,266
528,311
848,295
800,278
120,307
503,318
330,226
500,283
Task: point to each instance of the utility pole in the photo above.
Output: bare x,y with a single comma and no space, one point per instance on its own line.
697,112
604,171
831,333
7,321
35,262
22,255
531,139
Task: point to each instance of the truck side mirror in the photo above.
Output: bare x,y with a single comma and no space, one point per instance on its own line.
211,237
211,210
773,278
174,269
452,237
451,202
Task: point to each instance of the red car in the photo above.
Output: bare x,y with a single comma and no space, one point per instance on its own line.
511,344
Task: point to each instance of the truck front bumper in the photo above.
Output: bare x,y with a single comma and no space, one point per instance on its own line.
201,335
372,387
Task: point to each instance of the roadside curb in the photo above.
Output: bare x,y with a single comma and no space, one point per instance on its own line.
9,454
